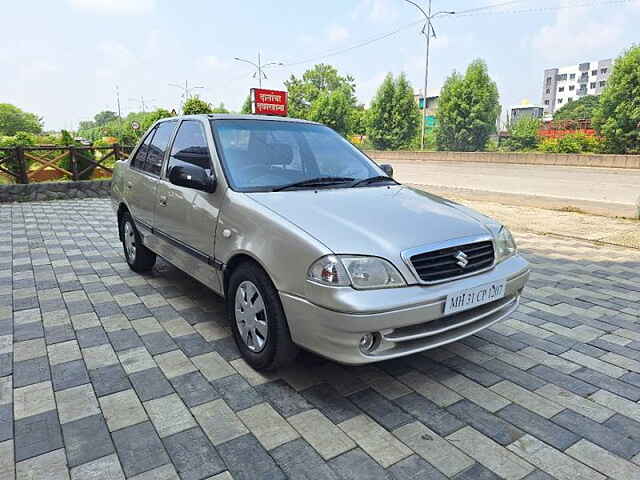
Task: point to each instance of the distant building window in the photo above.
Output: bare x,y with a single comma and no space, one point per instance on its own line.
572,76
561,89
592,85
594,72
559,100
546,102
604,70
584,66
569,100
572,88
561,78
549,80
603,83
548,90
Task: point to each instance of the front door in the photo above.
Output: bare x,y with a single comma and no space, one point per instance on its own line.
185,218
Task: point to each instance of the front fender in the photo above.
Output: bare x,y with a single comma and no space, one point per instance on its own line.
285,251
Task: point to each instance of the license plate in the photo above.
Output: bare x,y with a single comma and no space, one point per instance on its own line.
474,297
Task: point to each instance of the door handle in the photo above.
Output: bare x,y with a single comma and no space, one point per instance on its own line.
163,201
129,185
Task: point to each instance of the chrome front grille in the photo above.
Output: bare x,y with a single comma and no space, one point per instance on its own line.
453,261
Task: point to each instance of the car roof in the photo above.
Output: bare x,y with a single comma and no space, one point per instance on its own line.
238,116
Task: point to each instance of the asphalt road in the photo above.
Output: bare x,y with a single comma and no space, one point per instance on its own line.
615,186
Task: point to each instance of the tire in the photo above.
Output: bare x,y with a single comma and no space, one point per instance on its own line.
264,341
139,257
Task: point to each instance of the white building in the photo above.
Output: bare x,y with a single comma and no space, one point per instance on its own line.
525,109
566,84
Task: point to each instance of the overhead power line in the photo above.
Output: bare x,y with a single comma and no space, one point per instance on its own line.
491,9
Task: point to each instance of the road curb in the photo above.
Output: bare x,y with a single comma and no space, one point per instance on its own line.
608,209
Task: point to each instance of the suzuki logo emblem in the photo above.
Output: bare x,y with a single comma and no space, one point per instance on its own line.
463,259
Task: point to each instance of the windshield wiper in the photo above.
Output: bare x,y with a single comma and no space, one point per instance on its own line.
314,182
377,178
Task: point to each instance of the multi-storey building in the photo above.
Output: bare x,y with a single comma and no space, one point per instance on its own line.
566,84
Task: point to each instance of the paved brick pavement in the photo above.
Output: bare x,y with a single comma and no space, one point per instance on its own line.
108,374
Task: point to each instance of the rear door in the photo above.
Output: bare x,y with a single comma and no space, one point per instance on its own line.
145,172
140,187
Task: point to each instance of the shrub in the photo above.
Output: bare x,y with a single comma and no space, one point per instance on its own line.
572,143
19,139
82,157
523,135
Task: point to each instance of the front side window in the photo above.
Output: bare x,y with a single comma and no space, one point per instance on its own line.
140,157
190,147
264,155
158,147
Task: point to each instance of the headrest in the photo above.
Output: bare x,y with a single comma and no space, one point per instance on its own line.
277,154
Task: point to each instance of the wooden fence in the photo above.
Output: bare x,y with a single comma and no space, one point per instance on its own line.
28,164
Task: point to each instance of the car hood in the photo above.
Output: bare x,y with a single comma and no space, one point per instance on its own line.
380,221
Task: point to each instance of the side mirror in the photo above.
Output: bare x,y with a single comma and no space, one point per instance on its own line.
192,176
388,169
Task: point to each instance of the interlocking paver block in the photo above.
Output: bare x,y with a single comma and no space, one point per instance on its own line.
52,465
213,366
375,440
122,409
298,460
194,389
103,468
267,425
430,389
165,472
193,455
136,360
99,356
169,415
551,460
77,402
322,434
37,434
497,458
575,402
29,349
86,439
139,449
7,466
356,465
248,460
434,449
218,421
33,399
174,363
527,399
64,352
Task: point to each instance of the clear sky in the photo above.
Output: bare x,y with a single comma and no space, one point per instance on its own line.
63,59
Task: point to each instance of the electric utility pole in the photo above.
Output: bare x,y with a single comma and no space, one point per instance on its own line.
259,67
118,100
186,90
427,31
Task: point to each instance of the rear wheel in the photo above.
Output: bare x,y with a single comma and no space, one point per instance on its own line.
258,321
139,257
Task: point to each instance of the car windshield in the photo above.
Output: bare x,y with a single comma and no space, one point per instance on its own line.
267,155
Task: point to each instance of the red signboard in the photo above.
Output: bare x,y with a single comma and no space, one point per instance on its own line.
269,102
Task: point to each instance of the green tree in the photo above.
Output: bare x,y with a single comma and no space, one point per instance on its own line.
467,109
580,109
195,105
320,83
358,120
104,117
220,109
14,120
617,117
332,109
394,117
246,106
523,134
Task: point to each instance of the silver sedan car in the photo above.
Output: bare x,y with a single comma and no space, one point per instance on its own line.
310,242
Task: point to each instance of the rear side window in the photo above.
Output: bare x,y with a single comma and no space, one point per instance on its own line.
141,155
190,146
158,147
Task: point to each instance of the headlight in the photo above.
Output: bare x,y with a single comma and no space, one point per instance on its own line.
505,245
360,272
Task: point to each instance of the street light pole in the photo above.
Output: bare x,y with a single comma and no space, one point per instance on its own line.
259,67
186,89
427,31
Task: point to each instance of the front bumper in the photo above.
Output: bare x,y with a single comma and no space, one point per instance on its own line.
413,321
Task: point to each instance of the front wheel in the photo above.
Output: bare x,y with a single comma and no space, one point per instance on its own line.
258,321
139,257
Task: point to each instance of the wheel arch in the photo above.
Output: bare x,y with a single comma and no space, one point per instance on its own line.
122,209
